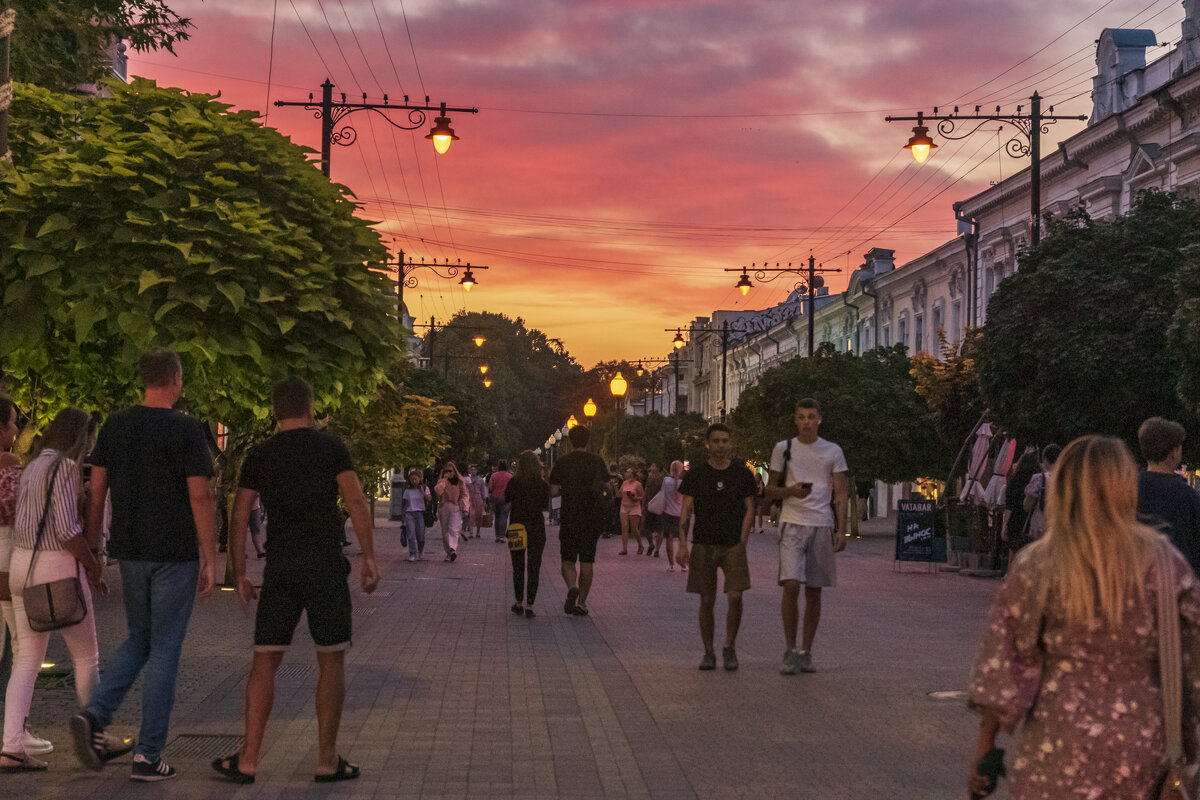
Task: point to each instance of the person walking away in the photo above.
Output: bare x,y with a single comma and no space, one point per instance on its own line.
809,474
10,479
632,495
1070,651
1015,524
299,474
651,522
256,530
579,477
529,495
672,508
453,501
1164,498
156,463
497,483
49,545
477,489
720,493
414,501
1036,491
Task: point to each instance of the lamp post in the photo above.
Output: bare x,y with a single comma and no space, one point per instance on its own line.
589,409
724,330
571,422
332,113
405,269
811,283
618,386
1026,142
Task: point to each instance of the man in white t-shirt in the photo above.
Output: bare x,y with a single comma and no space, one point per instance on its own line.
809,475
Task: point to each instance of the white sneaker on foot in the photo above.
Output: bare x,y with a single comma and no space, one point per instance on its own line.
34,744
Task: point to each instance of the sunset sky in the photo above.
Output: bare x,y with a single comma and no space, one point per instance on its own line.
626,151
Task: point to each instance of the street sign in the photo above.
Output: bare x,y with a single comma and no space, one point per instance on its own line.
915,532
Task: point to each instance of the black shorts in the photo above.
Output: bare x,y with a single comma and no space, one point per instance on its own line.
577,538
652,523
318,589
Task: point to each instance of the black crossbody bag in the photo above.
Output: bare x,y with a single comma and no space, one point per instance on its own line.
56,604
777,505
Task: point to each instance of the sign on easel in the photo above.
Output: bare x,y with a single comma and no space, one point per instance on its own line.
915,532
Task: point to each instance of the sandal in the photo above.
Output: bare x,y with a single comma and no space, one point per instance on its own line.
345,772
25,763
228,767
529,613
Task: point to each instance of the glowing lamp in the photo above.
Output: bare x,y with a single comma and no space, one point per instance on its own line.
744,285
589,408
571,422
920,144
678,340
639,370
487,383
618,386
441,134
483,368
479,340
468,280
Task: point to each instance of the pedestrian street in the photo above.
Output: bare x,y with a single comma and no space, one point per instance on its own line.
451,695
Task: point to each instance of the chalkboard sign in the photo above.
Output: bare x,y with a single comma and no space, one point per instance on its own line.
914,532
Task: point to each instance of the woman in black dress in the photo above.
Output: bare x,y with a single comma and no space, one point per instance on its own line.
529,495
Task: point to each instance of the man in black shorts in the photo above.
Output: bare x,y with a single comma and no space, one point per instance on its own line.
299,473
579,476
721,494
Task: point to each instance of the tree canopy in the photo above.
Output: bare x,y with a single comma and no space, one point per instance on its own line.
158,217
950,385
1077,340
869,406
62,44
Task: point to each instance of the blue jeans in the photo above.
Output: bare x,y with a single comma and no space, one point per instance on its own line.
415,522
500,511
158,604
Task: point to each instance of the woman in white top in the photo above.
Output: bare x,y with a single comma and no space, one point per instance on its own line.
413,501
63,550
672,505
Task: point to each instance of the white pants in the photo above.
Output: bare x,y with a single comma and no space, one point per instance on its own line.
451,519
51,565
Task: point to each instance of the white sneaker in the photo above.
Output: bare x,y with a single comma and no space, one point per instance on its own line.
34,744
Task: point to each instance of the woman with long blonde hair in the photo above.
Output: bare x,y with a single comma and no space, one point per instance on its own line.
1070,652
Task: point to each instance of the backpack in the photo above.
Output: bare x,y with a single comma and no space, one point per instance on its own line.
777,505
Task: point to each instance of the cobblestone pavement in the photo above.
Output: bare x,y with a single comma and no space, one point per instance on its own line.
450,695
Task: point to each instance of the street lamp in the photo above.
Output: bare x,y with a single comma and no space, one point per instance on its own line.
678,342
571,422
405,277
487,383
810,285
589,408
441,134
483,368
639,370
479,340
468,279
618,386
1026,142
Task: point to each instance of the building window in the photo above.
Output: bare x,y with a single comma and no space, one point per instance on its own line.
886,333
956,320
937,319
919,332
902,337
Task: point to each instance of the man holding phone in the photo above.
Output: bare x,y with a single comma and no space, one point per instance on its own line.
808,474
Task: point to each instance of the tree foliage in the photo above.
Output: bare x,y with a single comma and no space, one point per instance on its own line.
62,44
159,217
1076,341
870,407
950,386
650,439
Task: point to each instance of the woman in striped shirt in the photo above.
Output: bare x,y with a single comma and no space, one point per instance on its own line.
63,550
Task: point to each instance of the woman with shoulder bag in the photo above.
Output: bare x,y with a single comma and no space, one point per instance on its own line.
1071,651
529,496
416,500
454,500
49,545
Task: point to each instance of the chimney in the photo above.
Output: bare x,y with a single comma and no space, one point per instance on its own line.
880,261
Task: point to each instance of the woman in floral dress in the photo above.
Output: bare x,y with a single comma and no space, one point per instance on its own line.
1070,652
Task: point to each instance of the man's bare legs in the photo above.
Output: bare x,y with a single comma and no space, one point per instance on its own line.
260,698
733,619
812,616
331,695
789,606
707,604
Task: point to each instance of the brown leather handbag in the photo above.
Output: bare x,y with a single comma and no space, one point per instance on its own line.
55,604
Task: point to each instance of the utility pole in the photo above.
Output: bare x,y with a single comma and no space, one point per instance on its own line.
814,282
7,20
331,114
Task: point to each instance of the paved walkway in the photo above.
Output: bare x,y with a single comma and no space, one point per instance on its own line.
450,695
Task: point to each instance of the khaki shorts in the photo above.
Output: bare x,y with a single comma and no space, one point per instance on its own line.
706,559
806,555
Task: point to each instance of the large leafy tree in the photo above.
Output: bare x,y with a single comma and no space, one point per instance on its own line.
1076,341
869,404
62,44
950,385
157,217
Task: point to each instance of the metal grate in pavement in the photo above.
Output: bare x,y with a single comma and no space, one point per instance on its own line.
201,746
293,671
363,611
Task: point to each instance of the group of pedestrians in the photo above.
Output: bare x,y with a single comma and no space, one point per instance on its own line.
149,478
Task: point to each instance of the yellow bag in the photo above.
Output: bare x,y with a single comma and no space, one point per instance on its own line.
518,539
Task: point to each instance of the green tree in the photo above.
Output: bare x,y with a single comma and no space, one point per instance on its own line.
950,385
1076,341
652,439
157,217
869,404
61,44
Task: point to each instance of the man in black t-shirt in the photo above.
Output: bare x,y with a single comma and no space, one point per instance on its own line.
721,495
156,464
579,477
298,474
1164,498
